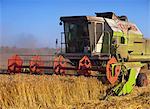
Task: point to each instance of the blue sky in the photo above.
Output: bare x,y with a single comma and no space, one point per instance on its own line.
35,23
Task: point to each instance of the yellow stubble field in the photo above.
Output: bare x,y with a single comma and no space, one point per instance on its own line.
22,91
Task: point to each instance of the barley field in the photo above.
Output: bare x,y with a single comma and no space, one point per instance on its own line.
23,91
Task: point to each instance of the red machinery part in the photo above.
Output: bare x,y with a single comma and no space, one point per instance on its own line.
84,65
59,63
56,66
14,64
35,63
117,69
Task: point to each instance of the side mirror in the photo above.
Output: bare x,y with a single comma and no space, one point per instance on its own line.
56,41
60,23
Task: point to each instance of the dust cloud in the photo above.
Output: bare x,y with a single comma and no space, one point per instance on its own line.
26,41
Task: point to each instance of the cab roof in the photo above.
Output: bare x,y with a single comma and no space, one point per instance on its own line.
81,18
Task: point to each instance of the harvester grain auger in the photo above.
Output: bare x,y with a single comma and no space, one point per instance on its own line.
108,45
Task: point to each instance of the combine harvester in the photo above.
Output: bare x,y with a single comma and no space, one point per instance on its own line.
106,44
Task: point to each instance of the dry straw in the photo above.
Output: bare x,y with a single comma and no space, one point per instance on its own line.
36,91
64,92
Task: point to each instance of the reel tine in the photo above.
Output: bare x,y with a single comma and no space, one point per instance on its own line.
112,70
35,63
84,64
59,63
15,64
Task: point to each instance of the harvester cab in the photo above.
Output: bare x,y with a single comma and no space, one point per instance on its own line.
85,34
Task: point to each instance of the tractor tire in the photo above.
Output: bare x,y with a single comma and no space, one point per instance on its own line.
142,80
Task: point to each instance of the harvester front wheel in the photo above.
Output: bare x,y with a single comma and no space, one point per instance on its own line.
142,80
